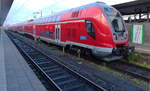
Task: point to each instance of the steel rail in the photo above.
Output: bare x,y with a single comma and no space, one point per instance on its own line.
131,69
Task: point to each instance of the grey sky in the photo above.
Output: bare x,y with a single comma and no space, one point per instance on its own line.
22,10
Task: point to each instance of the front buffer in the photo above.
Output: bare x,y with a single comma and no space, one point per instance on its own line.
113,54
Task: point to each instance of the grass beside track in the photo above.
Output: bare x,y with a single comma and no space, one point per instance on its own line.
139,59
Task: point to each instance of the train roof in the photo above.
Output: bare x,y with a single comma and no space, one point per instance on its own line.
56,17
101,4
19,24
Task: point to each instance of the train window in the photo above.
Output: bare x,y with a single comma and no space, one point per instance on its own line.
115,19
75,14
118,24
90,29
46,34
30,27
42,33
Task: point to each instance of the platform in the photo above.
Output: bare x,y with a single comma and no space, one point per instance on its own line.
142,48
15,74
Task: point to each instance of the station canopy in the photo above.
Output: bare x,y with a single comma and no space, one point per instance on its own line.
4,9
134,7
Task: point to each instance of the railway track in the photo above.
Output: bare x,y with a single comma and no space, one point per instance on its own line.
40,76
131,69
58,75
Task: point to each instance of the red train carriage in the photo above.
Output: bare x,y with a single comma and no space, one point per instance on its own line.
28,27
96,27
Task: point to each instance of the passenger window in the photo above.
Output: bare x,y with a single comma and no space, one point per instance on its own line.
46,34
75,14
90,29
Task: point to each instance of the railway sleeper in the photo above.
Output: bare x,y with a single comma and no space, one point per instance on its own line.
62,78
66,82
43,62
40,57
37,57
57,74
79,87
33,53
46,65
53,70
73,85
50,67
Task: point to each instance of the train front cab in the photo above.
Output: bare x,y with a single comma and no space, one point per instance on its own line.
115,45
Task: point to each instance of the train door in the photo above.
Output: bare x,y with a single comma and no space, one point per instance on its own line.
34,31
57,32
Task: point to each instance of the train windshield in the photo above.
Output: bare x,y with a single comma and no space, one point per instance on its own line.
115,19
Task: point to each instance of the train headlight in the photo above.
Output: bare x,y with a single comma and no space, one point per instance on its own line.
114,36
125,35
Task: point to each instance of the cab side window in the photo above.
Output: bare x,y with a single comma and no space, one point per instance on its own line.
90,29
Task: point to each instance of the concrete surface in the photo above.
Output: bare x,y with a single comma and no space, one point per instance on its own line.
3,85
15,74
142,48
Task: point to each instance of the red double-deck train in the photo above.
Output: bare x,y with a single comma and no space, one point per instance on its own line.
97,28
